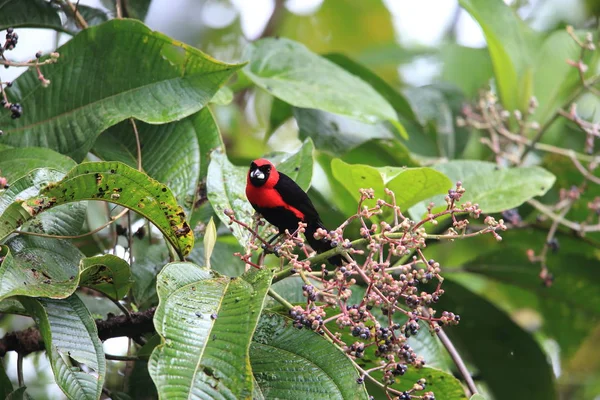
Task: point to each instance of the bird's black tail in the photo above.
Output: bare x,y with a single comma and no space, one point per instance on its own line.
322,245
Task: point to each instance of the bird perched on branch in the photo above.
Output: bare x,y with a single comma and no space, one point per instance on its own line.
284,204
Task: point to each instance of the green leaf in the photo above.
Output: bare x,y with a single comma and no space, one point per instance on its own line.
336,133
389,152
28,169
512,46
477,397
207,322
494,189
175,154
149,258
6,386
28,186
498,190
223,97
221,259
115,183
29,13
289,363
442,384
69,332
107,274
394,97
294,74
168,81
17,162
210,239
18,394
466,67
39,267
500,349
299,166
410,185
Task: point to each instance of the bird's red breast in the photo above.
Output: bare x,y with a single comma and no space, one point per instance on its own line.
267,196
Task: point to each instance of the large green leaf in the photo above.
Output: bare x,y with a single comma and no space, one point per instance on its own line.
512,46
175,154
28,169
168,81
17,162
394,97
29,13
116,183
291,72
389,153
493,189
40,267
69,332
499,349
410,185
289,363
207,322
28,186
336,133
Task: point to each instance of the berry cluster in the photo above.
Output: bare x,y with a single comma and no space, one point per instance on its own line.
12,38
395,305
311,319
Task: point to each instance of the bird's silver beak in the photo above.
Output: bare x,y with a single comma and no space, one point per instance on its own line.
257,174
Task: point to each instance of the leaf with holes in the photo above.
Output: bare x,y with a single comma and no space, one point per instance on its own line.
207,322
69,331
113,182
287,362
38,267
175,154
108,274
168,81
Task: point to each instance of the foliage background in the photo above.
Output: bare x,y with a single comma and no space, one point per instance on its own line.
520,339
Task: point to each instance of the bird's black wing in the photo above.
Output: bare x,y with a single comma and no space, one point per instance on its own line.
293,195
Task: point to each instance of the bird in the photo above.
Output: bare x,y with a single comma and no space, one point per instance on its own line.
284,204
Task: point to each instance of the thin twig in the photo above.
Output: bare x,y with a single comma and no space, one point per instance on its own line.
280,299
457,361
138,145
20,379
114,357
79,20
112,220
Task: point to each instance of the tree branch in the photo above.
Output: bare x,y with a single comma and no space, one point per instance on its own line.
30,340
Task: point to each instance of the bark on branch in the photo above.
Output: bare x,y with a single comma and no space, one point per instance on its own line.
30,340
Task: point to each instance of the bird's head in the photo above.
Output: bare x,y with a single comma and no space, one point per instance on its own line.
262,172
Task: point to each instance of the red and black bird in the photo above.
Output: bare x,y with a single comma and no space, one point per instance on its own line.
283,203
